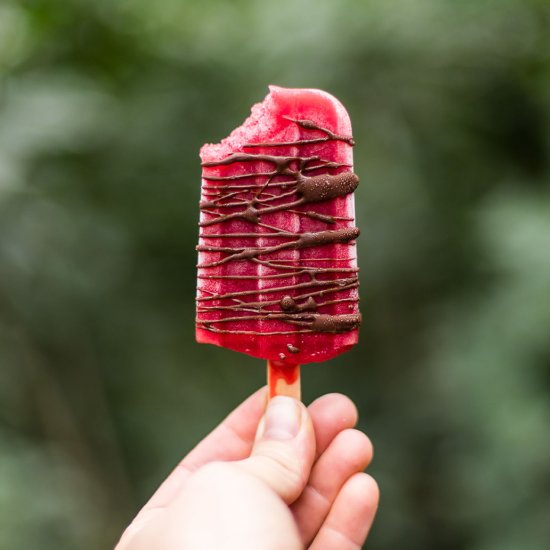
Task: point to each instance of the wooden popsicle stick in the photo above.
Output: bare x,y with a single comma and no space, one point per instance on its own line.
283,379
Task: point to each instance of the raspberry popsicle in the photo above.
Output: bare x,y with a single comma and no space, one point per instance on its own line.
277,271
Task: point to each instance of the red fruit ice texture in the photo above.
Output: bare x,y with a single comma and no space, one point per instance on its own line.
277,271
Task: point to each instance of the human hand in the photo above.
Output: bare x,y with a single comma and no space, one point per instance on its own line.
287,479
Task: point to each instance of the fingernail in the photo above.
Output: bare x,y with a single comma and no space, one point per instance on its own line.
282,418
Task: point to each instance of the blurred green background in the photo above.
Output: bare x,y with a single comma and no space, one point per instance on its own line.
103,107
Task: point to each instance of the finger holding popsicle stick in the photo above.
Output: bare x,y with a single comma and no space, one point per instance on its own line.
277,271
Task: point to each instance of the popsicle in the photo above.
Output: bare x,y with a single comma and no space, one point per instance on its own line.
277,262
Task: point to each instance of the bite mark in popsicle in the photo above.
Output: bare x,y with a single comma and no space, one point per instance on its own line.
278,276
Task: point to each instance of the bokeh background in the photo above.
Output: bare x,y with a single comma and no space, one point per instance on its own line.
103,107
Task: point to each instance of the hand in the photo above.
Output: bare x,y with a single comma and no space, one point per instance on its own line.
287,479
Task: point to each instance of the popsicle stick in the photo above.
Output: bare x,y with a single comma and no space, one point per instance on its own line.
283,379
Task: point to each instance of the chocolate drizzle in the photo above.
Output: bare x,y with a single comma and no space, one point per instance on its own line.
307,125
246,199
304,240
326,186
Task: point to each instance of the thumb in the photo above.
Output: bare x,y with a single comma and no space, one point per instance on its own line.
284,450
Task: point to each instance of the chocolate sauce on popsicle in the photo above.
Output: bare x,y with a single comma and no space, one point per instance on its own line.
299,311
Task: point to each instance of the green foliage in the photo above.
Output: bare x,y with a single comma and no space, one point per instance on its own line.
103,107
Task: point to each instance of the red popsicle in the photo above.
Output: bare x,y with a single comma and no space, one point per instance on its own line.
277,271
